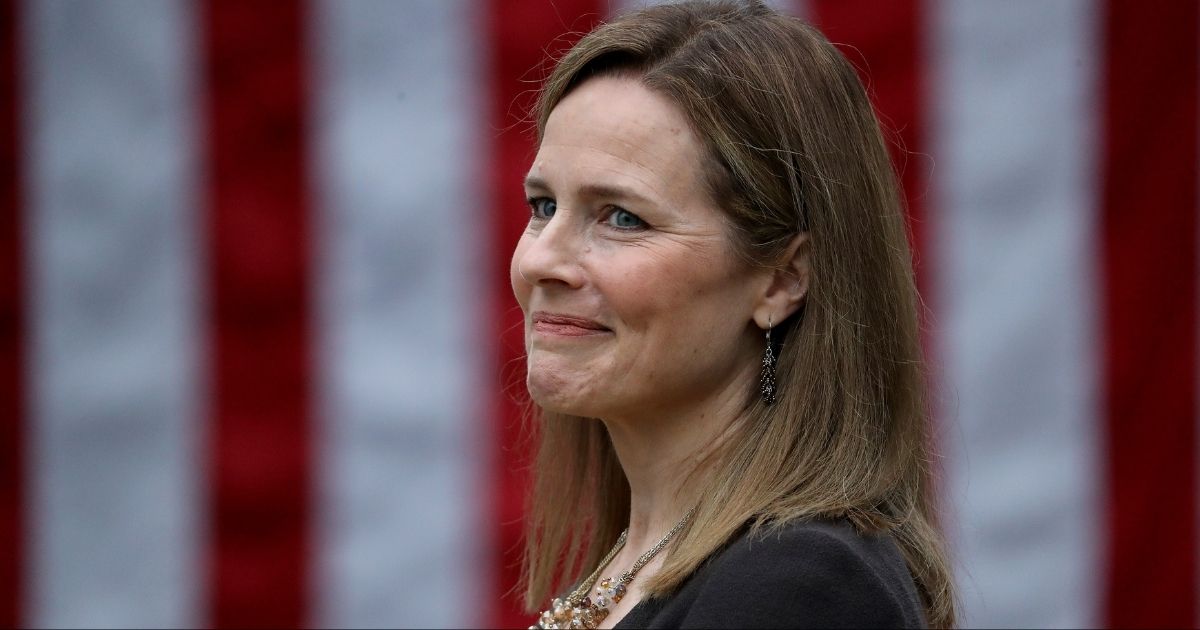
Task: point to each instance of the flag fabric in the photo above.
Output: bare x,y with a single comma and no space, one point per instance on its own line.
258,352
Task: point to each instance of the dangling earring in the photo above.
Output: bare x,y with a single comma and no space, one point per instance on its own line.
767,377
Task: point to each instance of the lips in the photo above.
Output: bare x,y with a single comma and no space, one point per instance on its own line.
566,325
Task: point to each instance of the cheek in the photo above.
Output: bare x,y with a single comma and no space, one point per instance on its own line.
685,315
688,286
699,306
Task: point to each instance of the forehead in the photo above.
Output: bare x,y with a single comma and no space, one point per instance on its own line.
614,127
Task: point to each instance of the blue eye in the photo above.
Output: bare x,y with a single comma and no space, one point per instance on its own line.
622,218
543,207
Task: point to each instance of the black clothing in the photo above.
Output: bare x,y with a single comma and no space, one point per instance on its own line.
817,574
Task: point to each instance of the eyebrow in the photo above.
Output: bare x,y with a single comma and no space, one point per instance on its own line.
608,191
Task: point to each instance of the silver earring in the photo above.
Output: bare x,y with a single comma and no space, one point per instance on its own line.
767,377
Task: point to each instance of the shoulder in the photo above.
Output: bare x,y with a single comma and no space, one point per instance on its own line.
809,574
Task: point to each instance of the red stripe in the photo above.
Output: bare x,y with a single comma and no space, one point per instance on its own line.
11,327
885,40
260,257
1149,261
522,36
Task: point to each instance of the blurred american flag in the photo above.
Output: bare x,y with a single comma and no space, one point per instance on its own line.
256,329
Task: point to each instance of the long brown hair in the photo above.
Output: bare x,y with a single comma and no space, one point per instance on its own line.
794,146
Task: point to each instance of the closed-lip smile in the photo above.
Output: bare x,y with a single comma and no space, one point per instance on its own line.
561,324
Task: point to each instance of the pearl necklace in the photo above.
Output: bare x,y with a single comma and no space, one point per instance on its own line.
581,612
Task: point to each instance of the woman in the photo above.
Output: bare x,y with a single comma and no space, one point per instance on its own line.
722,337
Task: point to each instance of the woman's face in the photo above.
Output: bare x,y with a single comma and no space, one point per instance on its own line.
634,300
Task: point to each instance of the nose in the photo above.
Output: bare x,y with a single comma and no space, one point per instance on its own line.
550,257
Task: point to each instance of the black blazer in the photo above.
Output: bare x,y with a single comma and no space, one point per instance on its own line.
820,574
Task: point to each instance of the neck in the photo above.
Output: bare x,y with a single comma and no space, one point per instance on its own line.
664,458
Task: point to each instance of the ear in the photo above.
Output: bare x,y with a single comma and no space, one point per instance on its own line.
788,285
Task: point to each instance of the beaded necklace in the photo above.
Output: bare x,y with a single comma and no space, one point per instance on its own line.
579,611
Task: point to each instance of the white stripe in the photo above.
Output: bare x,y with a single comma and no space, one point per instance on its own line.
799,8
113,476
400,140
1017,102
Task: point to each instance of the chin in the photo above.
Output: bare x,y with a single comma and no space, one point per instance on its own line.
556,392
